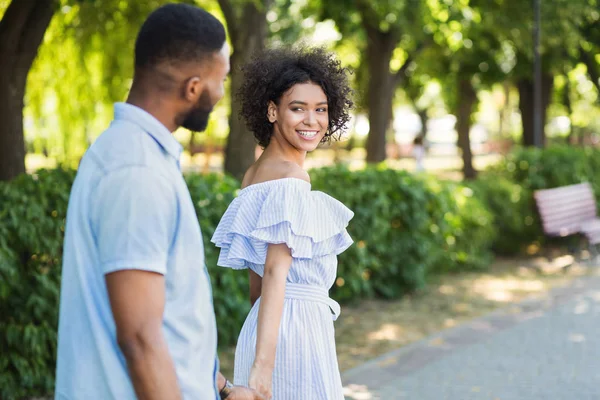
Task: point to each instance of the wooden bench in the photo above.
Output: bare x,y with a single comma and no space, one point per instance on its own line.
570,210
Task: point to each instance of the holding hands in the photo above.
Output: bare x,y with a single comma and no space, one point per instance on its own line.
261,380
242,393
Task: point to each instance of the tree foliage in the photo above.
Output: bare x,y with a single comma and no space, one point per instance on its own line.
85,61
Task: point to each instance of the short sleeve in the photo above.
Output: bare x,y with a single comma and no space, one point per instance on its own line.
134,214
311,224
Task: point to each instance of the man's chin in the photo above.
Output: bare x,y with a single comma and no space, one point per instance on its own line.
195,127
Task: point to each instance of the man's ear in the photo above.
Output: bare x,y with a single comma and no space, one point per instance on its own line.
272,112
193,89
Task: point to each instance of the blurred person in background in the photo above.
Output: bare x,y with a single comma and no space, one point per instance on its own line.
419,151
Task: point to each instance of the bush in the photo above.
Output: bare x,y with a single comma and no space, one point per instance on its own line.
32,220
391,229
467,229
513,212
211,195
404,228
556,166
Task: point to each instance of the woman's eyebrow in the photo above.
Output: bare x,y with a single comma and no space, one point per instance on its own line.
302,103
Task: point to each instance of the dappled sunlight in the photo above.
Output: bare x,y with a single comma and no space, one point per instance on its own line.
503,289
447,289
582,307
595,295
500,296
358,392
386,332
355,344
557,264
526,272
461,308
443,166
38,161
576,338
450,322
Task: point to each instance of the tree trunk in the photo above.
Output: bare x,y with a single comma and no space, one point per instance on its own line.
525,87
380,93
467,98
248,33
22,29
424,118
592,69
566,97
547,90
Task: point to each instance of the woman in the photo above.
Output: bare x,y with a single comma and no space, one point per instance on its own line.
287,235
419,152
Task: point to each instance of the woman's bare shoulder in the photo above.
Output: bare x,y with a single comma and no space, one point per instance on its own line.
293,170
270,170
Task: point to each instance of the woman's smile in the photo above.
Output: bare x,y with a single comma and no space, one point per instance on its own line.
307,134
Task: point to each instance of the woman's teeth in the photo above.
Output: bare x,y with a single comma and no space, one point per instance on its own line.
307,134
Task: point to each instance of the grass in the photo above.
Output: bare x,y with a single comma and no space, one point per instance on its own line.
375,327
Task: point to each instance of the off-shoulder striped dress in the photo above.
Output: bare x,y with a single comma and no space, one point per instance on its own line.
313,225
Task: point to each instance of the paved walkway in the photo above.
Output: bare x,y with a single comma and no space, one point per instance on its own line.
546,349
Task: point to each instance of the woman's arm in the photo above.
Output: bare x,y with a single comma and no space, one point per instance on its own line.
255,286
277,266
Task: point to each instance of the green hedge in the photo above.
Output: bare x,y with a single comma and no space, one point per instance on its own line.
405,227
211,195
513,211
556,166
31,231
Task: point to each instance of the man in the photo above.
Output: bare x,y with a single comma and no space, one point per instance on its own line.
136,313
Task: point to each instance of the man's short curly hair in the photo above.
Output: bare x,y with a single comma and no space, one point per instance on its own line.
178,33
272,73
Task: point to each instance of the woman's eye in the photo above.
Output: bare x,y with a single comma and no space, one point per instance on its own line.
321,109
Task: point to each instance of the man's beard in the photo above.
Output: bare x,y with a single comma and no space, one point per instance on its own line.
197,118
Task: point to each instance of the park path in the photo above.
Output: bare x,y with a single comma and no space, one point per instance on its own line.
540,349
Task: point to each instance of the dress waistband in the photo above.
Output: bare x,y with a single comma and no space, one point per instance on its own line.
301,291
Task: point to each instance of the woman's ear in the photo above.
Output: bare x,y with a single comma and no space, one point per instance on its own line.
272,112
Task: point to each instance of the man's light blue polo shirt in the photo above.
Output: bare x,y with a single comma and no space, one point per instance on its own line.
130,209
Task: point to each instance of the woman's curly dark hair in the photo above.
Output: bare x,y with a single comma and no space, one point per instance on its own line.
273,72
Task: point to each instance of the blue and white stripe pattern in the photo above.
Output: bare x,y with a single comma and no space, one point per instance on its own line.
313,225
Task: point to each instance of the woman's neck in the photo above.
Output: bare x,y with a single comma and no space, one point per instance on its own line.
281,149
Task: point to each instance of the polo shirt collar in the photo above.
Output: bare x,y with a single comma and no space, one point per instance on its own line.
152,126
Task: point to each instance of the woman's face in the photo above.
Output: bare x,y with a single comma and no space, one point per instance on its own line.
301,119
